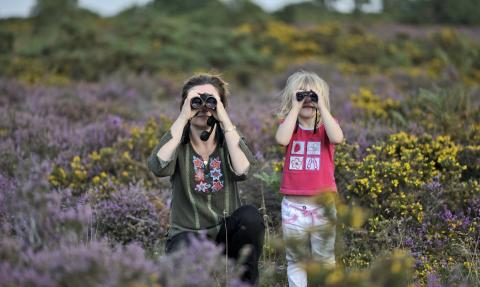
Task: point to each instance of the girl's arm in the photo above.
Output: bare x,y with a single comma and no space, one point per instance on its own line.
285,130
334,132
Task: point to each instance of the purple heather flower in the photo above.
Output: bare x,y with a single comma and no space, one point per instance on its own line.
409,242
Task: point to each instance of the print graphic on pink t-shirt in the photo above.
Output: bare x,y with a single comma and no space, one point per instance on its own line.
296,162
313,148
313,163
298,147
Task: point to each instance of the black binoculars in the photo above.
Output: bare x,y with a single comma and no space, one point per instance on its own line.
311,94
205,99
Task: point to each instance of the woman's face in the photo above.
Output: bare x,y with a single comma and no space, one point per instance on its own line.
201,115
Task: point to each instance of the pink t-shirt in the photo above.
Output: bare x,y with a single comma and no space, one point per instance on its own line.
309,167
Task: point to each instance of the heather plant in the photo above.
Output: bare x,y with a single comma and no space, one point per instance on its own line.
49,238
124,211
449,234
452,111
202,263
11,92
38,217
98,264
130,214
92,264
123,162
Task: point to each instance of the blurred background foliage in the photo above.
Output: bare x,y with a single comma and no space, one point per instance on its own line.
61,41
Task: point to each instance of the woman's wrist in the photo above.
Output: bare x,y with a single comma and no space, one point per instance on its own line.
228,129
183,118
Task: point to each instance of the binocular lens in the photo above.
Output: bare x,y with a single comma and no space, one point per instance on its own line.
205,99
300,96
211,103
196,103
311,94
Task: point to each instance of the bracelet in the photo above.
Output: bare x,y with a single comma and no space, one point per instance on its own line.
232,128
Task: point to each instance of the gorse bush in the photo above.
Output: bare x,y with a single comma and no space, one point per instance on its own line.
121,163
392,270
384,178
416,186
373,106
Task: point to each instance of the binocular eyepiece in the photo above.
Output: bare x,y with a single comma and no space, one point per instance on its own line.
204,99
311,94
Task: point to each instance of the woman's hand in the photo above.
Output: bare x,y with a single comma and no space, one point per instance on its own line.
187,113
220,113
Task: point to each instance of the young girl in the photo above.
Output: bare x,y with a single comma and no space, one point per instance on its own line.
309,133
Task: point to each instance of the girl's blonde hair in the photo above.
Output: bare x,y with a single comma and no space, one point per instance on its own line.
303,80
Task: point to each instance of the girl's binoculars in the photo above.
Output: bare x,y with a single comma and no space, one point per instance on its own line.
205,99
311,94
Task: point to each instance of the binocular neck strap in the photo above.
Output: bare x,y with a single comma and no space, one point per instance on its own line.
314,125
204,136
186,133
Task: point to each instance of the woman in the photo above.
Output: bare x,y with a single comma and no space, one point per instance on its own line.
205,156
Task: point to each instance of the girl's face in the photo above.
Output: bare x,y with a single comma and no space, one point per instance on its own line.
202,114
309,108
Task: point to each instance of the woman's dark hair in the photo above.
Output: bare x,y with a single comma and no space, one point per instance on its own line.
205,79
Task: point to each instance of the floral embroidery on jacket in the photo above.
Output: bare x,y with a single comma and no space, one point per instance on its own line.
210,180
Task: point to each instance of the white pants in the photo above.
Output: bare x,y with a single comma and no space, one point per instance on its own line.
308,226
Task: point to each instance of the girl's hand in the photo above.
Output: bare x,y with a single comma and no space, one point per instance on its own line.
296,105
321,101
